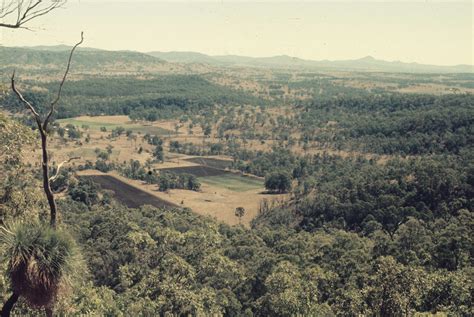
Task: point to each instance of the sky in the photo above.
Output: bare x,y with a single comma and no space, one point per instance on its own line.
428,32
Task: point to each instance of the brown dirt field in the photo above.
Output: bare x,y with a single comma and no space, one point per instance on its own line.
198,170
130,196
211,162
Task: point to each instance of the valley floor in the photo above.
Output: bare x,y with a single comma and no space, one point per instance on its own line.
213,199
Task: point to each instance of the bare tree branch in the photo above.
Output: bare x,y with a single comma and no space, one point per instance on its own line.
26,11
60,165
44,137
7,10
55,101
26,102
30,7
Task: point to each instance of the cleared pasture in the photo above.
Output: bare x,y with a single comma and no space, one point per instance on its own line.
233,182
214,201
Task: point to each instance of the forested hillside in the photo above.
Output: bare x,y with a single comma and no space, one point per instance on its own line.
84,59
375,187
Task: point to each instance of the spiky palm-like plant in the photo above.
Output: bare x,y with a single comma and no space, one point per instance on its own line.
39,260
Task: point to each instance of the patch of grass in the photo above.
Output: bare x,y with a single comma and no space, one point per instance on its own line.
232,182
90,152
93,125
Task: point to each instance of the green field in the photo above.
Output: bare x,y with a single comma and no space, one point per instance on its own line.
232,182
93,125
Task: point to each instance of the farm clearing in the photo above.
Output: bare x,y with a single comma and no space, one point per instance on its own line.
213,199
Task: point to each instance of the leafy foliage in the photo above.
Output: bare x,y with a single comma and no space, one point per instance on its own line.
278,181
171,261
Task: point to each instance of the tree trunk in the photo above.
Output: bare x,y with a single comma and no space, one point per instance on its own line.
8,306
46,184
49,312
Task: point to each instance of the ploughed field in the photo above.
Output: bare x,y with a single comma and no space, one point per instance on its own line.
198,171
211,162
128,195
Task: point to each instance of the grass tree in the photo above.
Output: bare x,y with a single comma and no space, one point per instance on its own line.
38,255
39,261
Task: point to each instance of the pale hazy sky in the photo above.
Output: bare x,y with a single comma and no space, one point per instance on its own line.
411,31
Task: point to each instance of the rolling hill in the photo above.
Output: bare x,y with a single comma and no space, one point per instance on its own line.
367,63
91,57
83,58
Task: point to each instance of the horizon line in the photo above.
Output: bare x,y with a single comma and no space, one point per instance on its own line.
250,56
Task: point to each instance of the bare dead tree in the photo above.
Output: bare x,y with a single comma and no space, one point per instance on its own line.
43,131
14,14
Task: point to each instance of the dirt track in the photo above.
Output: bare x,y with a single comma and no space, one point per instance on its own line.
128,195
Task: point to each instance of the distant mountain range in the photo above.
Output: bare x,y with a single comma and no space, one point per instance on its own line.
367,63
92,56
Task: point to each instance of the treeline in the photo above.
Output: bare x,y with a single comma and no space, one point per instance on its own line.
165,180
189,148
168,180
147,99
